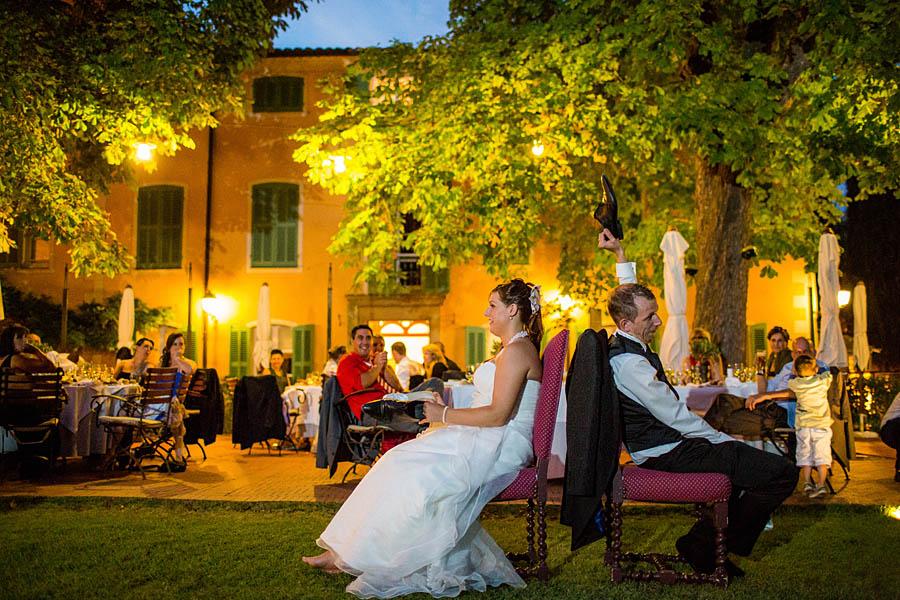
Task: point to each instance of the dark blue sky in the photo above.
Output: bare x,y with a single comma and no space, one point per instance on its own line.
357,23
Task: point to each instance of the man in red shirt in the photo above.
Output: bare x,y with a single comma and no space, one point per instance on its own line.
355,372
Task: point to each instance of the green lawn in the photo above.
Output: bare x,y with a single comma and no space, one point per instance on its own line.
117,548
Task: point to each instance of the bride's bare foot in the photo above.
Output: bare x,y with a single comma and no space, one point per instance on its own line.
324,561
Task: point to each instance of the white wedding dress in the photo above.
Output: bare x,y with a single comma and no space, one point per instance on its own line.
411,523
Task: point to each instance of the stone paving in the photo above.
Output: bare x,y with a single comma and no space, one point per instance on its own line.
234,475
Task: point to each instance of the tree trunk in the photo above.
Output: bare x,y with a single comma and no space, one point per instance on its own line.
723,221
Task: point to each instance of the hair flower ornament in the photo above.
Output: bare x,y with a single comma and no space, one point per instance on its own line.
535,298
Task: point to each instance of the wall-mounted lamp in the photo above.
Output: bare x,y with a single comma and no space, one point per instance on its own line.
537,147
209,303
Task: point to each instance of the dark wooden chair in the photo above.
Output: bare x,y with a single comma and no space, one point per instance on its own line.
30,405
139,428
646,485
531,482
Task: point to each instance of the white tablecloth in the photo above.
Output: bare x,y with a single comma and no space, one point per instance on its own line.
78,434
306,399
700,397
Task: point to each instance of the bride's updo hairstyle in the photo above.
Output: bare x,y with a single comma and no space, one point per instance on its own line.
527,297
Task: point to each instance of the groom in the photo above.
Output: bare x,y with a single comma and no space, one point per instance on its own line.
661,433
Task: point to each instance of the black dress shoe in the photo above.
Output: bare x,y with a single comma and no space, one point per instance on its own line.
703,560
607,212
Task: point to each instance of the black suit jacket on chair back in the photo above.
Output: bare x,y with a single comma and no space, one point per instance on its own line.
592,437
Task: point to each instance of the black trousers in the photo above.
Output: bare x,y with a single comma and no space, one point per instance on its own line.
760,482
890,435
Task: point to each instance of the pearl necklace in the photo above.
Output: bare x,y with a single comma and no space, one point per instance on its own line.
516,336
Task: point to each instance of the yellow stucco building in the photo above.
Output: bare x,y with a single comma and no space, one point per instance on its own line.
267,224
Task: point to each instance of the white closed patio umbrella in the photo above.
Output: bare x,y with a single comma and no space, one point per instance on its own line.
674,346
126,319
831,349
263,344
860,327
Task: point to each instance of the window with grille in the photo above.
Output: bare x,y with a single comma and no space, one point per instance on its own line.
159,227
274,225
278,94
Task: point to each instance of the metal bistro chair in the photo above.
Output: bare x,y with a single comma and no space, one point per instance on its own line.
363,442
293,415
30,405
146,419
192,397
531,483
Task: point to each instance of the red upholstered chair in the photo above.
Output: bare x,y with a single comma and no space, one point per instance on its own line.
646,485
531,483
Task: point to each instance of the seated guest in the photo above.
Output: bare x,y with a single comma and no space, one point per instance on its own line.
173,355
890,432
779,354
660,432
756,416
123,353
360,370
276,364
16,353
451,365
776,387
704,357
435,363
136,366
387,375
334,357
406,367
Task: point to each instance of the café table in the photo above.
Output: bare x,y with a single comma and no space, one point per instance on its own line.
79,434
304,398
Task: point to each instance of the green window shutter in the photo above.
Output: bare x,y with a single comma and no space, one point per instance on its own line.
239,352
756,341
476,345
159,228
274,224
190,350
303,360
435,281
278,94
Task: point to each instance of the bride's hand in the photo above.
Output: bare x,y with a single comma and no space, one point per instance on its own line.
434,410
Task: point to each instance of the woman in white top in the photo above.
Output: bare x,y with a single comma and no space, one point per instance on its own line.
411,524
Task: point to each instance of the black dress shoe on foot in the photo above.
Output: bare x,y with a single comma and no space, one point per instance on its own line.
701,559
733,570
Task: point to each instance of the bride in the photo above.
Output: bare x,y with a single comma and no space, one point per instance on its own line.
411,523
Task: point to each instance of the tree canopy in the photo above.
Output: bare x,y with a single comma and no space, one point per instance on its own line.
84,80
733,121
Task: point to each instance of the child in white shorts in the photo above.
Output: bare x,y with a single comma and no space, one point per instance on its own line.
813,423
